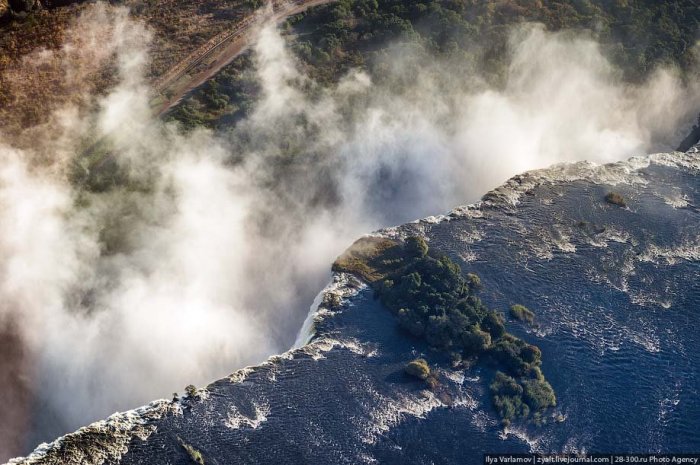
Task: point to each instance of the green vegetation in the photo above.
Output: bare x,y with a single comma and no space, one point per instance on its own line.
507,395
637,35
191,391
418,368
517,398
432,300
471,35
615,199
27,26
195,455
221,101
522,313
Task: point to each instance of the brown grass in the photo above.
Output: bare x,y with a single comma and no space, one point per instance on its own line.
370,258
29,93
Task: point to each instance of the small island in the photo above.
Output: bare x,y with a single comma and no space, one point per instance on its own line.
434,301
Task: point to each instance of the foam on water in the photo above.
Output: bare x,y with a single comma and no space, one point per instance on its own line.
240,375
318,347
689,251
668,404
102,441
342,287
533,442
677,201
623,172
236,419
390,412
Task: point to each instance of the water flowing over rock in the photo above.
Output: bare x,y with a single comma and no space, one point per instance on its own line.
616,292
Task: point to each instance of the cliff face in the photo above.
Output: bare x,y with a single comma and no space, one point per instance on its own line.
15,391
616,292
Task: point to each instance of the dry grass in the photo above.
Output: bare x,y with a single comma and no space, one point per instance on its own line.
370,258
33,68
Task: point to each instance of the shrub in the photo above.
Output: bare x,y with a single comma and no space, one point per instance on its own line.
195,455
515,398
531,355
508,353
522,313
412,323
191,390
438,331
493,323
507,397
538,394
504,385
475,341
418,368
615,199
474,282
510,407
416,246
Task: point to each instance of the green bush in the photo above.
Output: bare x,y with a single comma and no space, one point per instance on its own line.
516,398
531,355
538,394
522,313
474,282
510,407
418,368
416,246
504,385
475,341
507,351
472,36
194,455
493,323
507,397
410,322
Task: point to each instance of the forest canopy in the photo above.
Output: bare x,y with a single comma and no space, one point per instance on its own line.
636,36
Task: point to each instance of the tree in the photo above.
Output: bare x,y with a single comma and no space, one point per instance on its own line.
474,283
475,340
493,323
416,247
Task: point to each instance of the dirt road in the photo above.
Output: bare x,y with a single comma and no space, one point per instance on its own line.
205,62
